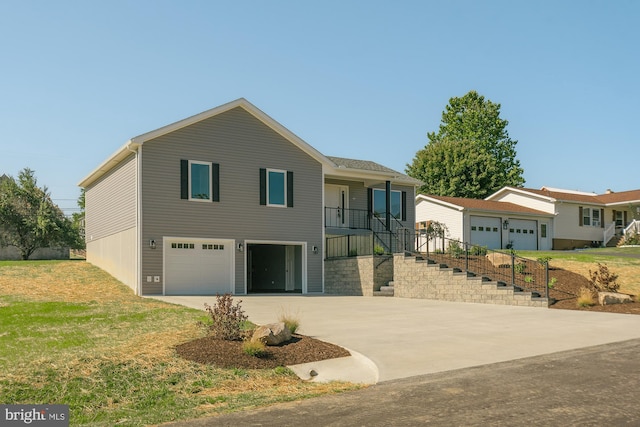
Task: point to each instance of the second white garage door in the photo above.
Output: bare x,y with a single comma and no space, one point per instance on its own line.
485,231
198,266
523,235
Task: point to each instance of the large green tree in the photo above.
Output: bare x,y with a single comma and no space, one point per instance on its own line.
29,219
471,155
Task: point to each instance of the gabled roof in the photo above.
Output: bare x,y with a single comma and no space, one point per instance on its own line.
364,167
461,203
554,194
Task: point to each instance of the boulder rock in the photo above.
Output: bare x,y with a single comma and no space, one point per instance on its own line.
606,298
499,259
272,334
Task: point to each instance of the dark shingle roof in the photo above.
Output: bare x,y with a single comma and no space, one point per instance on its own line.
365,165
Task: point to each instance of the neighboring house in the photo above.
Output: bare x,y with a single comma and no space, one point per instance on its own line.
230,201
530,219
496,225
581,219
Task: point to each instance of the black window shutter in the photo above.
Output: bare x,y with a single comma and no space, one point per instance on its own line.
215,175
263,186
404,205
580,219
601,218
289,189
184,179
370,200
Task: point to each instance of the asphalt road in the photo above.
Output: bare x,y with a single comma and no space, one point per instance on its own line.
593,386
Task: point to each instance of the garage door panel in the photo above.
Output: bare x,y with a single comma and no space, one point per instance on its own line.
202,267
485,231
523,234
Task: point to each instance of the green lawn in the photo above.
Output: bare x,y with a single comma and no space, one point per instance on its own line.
71,334
622,261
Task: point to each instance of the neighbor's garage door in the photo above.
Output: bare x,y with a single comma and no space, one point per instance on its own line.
523,234
198,267
485,231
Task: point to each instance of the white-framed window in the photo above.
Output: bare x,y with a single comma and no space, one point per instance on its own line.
595,216
586,216
619,219
380,203
200,182
276,187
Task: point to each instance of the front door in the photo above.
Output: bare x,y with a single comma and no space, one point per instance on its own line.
337,202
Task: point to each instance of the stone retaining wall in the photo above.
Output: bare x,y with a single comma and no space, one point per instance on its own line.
418,279
360,275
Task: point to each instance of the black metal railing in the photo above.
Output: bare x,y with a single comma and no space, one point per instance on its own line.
501,266
504,267
347,218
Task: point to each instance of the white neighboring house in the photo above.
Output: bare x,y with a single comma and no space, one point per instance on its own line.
580,219
494,224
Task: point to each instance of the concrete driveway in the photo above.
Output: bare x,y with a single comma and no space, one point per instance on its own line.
409,337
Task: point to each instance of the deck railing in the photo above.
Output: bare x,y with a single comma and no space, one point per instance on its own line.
609,232
632,228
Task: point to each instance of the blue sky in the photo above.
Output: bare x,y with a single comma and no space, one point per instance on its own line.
361,79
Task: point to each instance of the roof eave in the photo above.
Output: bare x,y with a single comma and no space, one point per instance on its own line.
122,153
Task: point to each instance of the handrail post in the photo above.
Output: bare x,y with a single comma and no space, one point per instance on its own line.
466,256
513,269
546,276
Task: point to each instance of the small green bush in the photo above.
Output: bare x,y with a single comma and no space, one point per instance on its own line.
478,250
254,348
552,282
454,249
378,250
544,260
227,320
520,267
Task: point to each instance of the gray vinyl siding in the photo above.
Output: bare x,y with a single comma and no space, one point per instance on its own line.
357,192
241,145
111,201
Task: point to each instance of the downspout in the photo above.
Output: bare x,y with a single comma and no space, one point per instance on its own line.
137,151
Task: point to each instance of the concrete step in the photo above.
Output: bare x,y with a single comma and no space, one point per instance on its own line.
383,293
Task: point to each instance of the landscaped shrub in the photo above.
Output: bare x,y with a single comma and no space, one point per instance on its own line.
520,267
254,348
603,280
227,319
544,260
378,250
454,249
632,239
478,250
585,299
552,282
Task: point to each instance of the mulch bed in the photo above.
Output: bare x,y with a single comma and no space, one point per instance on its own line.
229,354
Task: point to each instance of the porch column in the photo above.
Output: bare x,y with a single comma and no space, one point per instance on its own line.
388,201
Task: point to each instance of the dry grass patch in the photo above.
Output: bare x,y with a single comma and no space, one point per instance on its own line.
72,334
627,271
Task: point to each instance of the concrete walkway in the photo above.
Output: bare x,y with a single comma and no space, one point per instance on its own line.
409,337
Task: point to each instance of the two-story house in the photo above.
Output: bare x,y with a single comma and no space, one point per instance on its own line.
230,201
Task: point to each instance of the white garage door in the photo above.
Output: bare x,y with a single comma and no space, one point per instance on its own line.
485,231
523,234
198,267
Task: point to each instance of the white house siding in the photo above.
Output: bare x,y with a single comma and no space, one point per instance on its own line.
241,145
110,222
529,201
451,217
567,224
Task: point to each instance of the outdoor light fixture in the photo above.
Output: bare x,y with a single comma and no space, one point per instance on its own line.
240,247
505,224
314,249
152,244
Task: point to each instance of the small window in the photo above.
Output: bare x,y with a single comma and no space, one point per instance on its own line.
480,228
495,229
543,231
276,188
518,231
473,228
619,219
199,180
595,214
174,245
531,232
586,216
221,247
511,230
